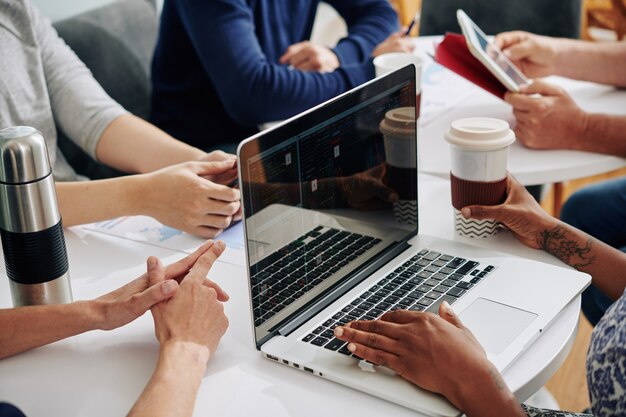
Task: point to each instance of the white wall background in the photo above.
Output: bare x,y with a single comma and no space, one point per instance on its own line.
60,9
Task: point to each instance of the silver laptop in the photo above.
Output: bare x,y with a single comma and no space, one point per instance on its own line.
325,246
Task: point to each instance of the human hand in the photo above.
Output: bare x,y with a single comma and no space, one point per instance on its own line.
552,121
196,313
535,55
396,42
217,156
132,300
179,196
520,213
228,176
437,353
307,56
367,191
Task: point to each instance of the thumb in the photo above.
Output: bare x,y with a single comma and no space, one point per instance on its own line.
482,212
543,88
446,313
154,295
156,273
519,51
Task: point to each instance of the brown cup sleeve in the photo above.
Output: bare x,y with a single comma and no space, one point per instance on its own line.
484,193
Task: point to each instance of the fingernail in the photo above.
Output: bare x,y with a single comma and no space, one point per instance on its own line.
169,287
338,331
348,325
445,305
351,347
152,263
466,212
220,245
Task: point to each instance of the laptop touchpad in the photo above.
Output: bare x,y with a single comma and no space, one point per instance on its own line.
495,325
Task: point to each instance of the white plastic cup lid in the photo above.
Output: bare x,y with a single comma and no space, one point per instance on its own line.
480,134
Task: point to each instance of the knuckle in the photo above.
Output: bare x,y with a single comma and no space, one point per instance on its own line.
232,194
213,233
205,261
541,106
399,368
232,208
374,326
372,339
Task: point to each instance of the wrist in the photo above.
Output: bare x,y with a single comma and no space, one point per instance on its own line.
486,395
545,223
94,313
136,195
193,356
561,51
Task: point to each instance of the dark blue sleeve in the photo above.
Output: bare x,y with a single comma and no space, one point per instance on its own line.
369,23
252,89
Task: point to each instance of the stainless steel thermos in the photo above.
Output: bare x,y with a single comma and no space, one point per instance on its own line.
30,222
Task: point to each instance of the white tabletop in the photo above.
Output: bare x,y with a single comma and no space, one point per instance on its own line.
529,166
102,373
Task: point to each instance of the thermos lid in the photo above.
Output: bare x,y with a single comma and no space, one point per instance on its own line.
23,155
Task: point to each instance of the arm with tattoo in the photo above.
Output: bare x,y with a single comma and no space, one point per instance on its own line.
606,265
564,245
535,228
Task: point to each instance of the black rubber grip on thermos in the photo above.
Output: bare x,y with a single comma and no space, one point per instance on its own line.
35,257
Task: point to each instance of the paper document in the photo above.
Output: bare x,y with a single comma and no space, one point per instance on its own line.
149,231
441,91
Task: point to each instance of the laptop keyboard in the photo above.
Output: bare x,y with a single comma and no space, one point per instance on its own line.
283,277
420,284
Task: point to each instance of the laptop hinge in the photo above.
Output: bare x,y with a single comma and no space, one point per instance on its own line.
342,289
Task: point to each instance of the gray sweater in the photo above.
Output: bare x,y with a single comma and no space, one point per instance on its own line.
43,84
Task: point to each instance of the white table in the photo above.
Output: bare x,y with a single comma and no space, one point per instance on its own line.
102,373
529,166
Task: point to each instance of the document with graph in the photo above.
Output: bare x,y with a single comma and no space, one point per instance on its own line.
149,231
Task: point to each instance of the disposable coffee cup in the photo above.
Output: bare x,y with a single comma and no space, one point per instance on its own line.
479,152
386,63
399,131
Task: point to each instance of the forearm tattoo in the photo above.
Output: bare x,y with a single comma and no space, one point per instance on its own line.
560,243
497,378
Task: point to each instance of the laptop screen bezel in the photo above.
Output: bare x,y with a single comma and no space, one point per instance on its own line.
286,130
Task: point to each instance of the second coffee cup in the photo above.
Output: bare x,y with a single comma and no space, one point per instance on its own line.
479,152
399,130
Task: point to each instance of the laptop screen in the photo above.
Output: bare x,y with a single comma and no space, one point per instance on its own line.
326,195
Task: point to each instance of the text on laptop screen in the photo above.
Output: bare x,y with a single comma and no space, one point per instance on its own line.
328,193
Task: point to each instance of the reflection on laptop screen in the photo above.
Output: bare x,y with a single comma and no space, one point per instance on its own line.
328,193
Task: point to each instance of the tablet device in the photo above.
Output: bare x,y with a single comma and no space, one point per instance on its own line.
490,55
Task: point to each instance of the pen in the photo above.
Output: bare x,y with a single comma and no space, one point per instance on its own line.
416,18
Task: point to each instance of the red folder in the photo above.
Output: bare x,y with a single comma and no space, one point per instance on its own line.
453,54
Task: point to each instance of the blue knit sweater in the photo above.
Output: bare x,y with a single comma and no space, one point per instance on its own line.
215,72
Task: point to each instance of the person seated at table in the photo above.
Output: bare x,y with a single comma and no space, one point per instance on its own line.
554,121
172,294
227,66
46,86
440,354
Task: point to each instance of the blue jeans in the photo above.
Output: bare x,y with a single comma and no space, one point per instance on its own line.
599,210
